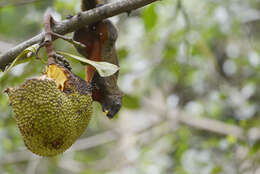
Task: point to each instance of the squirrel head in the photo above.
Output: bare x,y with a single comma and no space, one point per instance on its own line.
111,105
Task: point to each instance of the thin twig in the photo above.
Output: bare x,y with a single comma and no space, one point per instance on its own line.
69,39
93,141
214,126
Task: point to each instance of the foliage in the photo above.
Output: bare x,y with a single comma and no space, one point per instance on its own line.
179,60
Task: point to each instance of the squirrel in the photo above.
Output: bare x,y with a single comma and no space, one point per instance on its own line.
100,38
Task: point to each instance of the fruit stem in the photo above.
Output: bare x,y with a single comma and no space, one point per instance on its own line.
48,20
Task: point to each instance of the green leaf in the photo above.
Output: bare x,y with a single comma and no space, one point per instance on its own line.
232,139
104,69
150,17
216,170
122,53
255,148
131,102
23,57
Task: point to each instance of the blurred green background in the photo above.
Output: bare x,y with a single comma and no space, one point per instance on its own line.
190,74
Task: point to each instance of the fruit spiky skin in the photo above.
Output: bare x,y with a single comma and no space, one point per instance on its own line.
49,119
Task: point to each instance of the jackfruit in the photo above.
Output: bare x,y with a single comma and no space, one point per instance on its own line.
52,110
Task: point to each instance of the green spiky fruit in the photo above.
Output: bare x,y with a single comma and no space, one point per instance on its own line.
50,119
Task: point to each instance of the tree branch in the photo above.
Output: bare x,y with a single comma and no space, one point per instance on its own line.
76,22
